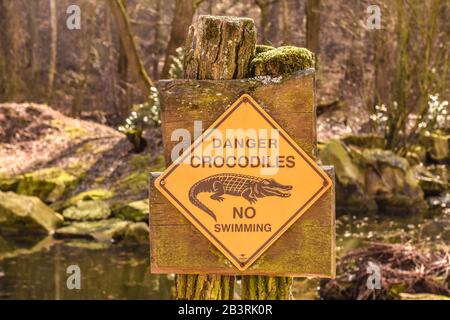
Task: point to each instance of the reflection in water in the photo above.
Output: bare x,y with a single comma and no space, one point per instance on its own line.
117,272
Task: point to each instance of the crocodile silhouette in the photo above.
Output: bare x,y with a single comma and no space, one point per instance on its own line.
249,187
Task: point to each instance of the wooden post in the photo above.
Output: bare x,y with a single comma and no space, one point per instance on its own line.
217,48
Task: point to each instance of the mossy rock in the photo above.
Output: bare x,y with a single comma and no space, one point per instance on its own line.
92,194
134,211
373,180
416,154
88,210
137,233
281,61
350,194
379,157
364,140
8,183
437,145
422,296
102,230
432,179
391,181
48,184
347,172
25,214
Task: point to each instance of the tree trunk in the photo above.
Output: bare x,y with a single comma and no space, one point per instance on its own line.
129,46
264,7
182,19
156,40
218,48
53,43
32,46
10,23
312,25
286,23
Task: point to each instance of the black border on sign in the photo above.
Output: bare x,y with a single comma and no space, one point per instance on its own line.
210,130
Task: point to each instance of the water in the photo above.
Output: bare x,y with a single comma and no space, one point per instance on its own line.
117,272
114,271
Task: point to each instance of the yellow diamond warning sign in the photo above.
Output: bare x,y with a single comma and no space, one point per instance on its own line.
243,182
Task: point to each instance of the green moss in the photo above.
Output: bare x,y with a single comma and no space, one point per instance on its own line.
26,214
365,141
377,157
88,210
212,29
72,131
8,183
48,184
93,194
135,180
335,153
282,61
134,211
260,48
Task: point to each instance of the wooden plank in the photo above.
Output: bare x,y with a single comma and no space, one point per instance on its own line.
290,101
305,250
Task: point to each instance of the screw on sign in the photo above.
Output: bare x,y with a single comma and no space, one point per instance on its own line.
244,182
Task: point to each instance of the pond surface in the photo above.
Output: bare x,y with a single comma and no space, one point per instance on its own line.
117,272
122,272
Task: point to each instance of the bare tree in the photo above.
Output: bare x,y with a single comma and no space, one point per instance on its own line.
129,47
182,19
312,25
53,48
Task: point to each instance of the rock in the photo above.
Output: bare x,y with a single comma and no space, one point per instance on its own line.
432,179
93,194
8,183
390,180
351,191
48,184
416,154
373,180
422,296
364,141
437,146
134,211
438,204
432,229
103,230
87,211
137,233
282,61
24,214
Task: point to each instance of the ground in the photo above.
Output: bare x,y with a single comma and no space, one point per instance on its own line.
35,136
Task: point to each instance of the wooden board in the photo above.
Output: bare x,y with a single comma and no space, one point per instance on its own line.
290,101
307,249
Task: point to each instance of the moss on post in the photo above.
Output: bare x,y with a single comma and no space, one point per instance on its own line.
281,61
